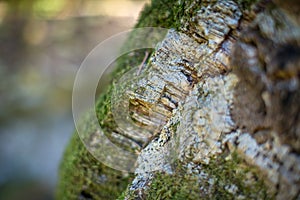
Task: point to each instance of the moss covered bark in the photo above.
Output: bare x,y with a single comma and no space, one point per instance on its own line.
229,175
83,177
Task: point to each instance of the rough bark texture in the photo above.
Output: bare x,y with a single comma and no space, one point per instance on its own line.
218,101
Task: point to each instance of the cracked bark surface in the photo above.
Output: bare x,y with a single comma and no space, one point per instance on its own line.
218,103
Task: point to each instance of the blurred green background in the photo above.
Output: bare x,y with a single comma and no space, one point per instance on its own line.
42,44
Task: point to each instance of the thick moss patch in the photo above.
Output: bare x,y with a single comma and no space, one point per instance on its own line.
235,172
177,186
167,14
223,179
83,177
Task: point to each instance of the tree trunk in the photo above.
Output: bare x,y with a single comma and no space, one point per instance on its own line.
219,98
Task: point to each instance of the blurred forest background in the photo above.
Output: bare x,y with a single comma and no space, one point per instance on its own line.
42,44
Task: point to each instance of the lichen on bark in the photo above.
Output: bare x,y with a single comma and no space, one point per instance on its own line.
221,84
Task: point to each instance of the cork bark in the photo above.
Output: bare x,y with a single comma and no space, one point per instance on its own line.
218,103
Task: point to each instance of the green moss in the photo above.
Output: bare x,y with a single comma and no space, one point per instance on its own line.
83,177
173,14
235,171
122,196
166,13
103,110
181,185
176,186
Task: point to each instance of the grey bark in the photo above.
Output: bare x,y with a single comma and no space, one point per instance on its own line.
252,109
